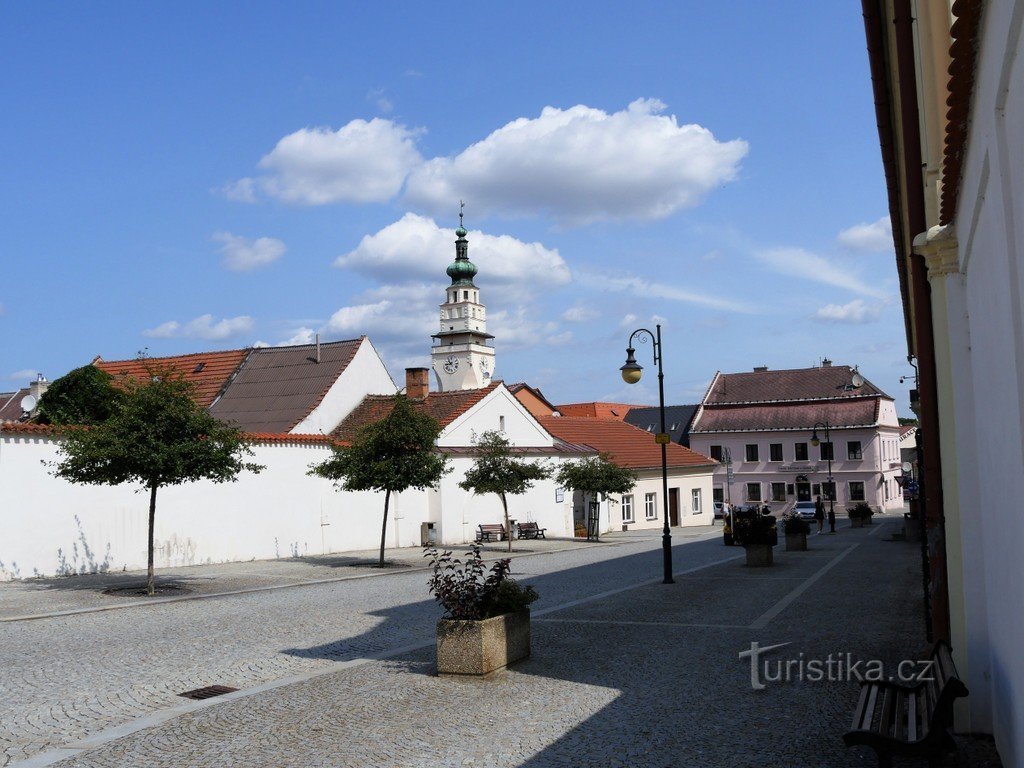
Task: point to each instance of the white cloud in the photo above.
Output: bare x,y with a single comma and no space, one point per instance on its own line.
638,286
202,327
378,97
301,336
581,165
26,374
242,254
361,162
628,320
581,313
797,262
241,191
415,248
856,312
874,237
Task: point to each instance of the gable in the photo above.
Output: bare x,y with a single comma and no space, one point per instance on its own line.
499,407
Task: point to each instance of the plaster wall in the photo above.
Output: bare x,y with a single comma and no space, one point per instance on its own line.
499,410
649,481
990,229
364,375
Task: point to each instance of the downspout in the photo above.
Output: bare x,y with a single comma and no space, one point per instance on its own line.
916,284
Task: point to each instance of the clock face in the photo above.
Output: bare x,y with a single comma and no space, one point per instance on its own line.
483,364
451,364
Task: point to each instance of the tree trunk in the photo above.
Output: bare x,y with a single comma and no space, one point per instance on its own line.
150,576
508,528
384,527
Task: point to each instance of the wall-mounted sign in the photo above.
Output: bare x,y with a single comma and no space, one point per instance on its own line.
559,495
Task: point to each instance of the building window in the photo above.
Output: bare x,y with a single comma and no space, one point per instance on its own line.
853,450
718,494
651,506
627,509
857,491
501,423
716,452
695,501
800,451
815,489
753,491
828,491
778,491
827,453
465,295
751,451
775,452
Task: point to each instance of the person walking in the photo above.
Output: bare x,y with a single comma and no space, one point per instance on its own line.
819,513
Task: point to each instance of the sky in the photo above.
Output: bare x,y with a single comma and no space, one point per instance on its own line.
182,177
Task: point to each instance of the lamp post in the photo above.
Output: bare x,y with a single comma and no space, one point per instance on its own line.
832,483
631,373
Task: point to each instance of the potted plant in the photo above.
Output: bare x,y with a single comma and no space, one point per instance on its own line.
860,514
796,529
757,533
486,621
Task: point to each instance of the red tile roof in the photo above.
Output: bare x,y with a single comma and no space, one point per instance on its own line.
28,428
209,372
445,407
825,382
596,410
629,446
788,416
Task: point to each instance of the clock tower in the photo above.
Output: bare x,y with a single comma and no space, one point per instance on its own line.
461,358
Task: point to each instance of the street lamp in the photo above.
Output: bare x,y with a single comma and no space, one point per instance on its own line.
631,373
832,483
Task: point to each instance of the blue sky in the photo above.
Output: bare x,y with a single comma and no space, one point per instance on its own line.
195,176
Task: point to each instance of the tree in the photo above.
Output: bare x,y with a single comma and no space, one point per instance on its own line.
596,475
155,435
392,455
85,395
497,471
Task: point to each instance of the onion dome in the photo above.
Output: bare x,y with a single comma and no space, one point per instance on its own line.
462,270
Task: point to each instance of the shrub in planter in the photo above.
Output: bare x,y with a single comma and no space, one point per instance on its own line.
796,529
860,514
486,622
757,533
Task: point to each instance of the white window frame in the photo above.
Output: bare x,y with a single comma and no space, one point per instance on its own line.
771,490
651,506
695,501
863,490
748,486
782,452
627,509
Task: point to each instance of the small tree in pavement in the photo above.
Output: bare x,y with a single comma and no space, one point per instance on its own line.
596,475
497,471
155,435
392,455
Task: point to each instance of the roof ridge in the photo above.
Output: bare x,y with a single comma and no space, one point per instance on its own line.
99,359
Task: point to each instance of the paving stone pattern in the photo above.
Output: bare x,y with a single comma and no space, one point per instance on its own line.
648,676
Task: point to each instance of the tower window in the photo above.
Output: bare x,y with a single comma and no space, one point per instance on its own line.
465,295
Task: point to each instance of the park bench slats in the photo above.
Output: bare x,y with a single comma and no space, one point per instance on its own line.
490,532
912,719
531,531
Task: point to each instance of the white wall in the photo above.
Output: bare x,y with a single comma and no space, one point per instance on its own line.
520,427
990,411
364,375
277,513
649,481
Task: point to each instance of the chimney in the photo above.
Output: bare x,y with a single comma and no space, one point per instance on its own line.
318,348
826,363
760,369
38,387
417,383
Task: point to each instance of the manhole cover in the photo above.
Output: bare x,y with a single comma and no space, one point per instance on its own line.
208,692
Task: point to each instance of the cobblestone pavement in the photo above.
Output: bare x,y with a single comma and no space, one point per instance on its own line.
624,672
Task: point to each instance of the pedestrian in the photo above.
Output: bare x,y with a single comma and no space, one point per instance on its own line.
819,513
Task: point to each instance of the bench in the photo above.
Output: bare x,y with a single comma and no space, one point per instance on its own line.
487,532
531,531
909,719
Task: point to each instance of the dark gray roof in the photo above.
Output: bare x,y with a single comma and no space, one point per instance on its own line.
677,420
10,404
277,387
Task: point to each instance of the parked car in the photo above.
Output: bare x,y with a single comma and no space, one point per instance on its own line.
804,509
719,511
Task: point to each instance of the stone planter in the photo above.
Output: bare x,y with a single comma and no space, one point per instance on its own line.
856,522
796,542
479,647
759,555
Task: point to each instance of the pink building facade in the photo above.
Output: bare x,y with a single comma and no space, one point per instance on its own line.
764,422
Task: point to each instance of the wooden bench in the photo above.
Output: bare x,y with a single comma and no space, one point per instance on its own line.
909,719
531,531
495,532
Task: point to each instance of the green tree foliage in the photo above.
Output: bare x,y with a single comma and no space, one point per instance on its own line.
496,470
155,435
596,475
85,395
392,455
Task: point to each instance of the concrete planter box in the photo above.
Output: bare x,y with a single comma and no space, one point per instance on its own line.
856,522
759,555
796,542
479,647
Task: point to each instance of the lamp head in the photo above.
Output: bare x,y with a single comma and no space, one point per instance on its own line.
814,438
632,370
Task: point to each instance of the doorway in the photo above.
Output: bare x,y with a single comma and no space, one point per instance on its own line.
803,489
673,506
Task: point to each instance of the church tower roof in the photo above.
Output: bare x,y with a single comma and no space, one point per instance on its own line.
462,270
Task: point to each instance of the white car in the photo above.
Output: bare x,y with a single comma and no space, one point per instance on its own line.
804,509
719,513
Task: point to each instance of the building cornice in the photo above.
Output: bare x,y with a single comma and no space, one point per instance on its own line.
939,247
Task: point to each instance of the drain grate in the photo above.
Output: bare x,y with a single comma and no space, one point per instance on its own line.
208,692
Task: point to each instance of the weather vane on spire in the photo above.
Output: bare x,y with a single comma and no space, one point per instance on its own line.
462,204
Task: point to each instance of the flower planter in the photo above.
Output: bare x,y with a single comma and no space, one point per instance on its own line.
856,522
796,542
479,647
759,555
